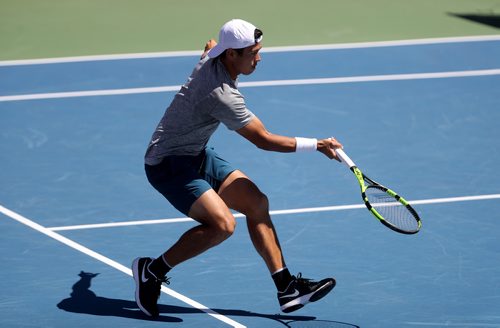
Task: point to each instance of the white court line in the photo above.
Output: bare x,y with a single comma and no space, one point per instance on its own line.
333,80
114,264
276,212
90,93
354,45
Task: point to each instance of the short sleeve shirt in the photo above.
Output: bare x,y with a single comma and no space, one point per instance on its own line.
208,98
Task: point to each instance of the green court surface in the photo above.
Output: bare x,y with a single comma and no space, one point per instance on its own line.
59,28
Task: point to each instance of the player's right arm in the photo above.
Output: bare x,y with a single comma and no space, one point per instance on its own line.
256,133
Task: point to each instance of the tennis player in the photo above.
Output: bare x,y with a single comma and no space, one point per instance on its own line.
202,185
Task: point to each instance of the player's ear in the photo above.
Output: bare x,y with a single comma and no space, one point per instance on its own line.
231,53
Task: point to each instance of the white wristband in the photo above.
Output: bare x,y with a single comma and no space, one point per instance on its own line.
305,144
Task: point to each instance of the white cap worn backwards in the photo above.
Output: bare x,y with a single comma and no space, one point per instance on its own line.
235,34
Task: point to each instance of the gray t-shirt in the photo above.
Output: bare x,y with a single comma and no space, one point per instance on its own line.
209,97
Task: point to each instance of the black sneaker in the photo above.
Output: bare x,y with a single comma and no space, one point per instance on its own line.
147,286
302,291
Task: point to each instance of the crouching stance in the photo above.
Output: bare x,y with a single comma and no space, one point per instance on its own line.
202,185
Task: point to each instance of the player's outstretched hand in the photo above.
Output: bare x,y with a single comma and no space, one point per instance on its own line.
327,146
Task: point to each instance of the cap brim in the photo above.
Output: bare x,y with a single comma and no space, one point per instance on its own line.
215,51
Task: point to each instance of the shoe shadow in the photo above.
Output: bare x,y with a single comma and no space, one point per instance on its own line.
83,300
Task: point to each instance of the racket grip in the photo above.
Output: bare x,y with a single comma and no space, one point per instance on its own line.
344,158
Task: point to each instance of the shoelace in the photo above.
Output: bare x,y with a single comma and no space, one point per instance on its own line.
159,282
300,280
164,279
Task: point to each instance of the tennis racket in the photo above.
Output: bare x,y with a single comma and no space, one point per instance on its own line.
387,206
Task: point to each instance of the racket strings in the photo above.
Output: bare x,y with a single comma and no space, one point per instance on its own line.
391,210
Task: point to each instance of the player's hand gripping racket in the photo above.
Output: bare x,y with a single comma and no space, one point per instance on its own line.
387,206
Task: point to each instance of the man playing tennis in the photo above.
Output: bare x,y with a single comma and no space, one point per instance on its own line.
203,186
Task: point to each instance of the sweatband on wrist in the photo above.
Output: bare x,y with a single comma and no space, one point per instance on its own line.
305,144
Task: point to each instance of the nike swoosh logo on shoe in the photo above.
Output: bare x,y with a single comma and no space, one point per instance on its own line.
295,293
143,277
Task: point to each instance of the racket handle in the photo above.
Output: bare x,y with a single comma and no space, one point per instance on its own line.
344,158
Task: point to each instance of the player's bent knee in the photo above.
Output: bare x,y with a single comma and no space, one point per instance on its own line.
228,227
225,228
259,207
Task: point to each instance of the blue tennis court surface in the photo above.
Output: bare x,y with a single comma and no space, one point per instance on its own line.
76,208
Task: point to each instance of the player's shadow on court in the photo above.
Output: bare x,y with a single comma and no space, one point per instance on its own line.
83,300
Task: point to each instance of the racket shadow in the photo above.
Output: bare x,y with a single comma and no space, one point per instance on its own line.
319,324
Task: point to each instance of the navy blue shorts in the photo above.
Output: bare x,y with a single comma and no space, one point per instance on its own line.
183,179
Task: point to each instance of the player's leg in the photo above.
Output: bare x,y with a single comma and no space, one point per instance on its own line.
178,179
241,194
216,225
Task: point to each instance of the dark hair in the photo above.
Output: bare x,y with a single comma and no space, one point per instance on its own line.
257,34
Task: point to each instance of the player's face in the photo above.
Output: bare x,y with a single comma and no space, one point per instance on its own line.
247,61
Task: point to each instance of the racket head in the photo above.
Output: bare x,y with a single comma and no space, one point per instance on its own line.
392,210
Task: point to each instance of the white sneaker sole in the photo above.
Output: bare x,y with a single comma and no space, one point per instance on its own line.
299,302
